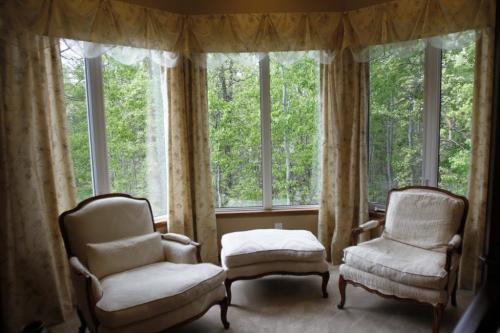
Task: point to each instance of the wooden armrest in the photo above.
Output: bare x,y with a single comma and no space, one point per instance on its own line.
369,225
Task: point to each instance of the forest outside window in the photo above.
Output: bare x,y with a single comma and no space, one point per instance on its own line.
115,124
264,129
420,117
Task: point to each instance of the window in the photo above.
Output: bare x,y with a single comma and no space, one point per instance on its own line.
264,129
419,121
115,114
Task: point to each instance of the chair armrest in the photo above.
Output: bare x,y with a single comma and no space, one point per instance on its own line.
369,225
177,238
77,267
180,249
454,246
455,243
88,291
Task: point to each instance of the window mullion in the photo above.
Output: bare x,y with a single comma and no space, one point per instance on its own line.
97,126
265,116
432,106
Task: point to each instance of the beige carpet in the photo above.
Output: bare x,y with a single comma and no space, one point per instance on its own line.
294,304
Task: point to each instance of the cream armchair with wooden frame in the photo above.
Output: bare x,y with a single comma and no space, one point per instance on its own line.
417,256
130,278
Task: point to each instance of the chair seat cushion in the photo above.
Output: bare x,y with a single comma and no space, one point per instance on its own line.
150,290
266,245
399,262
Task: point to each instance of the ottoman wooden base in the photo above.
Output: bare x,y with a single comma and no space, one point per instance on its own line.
324,275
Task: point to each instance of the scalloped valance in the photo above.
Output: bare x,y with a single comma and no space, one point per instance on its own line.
117,22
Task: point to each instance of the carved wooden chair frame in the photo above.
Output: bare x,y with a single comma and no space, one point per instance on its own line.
450,251
224,303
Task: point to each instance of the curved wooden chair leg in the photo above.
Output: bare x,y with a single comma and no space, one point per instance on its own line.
83,324
228,283
342,286
438,314
324,284
224,304
454,294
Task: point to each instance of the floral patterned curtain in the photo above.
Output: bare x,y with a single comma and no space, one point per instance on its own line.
36,181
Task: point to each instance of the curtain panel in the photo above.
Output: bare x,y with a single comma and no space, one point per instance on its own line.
117,22
36,181
470,266
344,176
191,208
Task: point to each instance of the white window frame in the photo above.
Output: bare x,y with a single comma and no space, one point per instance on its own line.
431,118
97,125
266,146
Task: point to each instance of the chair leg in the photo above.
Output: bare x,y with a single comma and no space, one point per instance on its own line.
342,286
228,283
324,284
438,314
224,304
454,293
83,325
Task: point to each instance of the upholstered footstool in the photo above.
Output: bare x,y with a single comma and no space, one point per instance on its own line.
253,254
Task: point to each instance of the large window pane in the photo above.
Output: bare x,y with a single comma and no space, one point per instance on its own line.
234,116
456,112
135,130
73,67
294,128
396,128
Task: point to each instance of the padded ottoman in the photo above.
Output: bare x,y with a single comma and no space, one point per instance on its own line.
256,253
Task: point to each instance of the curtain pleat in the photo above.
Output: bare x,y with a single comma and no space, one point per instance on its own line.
119,22
36,182
474,233
344,198
190,200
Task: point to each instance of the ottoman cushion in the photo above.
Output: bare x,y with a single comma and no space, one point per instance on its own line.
267,245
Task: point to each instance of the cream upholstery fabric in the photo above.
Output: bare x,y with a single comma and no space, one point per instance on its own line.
176,238
388,287
122,218
180,314
423,218
79,269
179,253
399,262
269,245
154,289
276,266
124,254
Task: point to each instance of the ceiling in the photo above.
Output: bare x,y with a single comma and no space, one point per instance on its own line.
253,6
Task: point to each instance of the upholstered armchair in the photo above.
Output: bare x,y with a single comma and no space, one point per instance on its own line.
130,278
417,256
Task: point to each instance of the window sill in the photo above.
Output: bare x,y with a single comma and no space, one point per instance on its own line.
228,213
160,222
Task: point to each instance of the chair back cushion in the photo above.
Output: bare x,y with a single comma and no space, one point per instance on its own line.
121,255
105,220
423,217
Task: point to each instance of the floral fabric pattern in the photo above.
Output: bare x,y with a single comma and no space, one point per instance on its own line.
344,196
190,201
37,182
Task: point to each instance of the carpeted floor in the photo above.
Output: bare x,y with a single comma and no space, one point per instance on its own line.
294,304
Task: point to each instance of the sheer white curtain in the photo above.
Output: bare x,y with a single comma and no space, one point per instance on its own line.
123,54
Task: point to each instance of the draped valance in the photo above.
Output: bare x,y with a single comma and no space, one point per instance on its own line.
117,22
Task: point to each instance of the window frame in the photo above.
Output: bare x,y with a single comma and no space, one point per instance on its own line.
433,67
266,153
96,118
